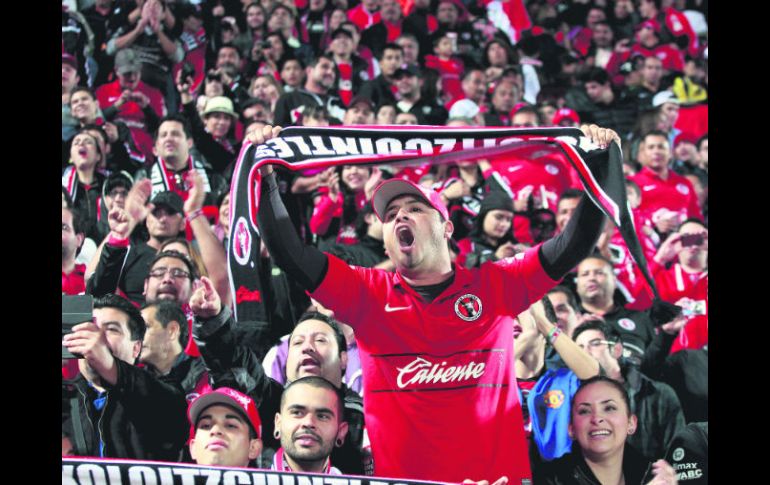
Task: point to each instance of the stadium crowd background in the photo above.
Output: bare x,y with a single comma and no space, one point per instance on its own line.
218,70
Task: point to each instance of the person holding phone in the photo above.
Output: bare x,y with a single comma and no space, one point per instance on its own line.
114,409
680,269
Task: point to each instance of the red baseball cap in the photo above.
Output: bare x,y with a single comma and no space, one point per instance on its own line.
565,114
228,397
67,58
390,189
649,24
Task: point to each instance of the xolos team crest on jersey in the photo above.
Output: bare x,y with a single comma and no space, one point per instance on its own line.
468,307
241,242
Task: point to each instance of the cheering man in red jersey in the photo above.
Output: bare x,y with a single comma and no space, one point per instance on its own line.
435,339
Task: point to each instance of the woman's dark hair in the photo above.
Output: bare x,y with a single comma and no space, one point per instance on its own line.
509,52
612,382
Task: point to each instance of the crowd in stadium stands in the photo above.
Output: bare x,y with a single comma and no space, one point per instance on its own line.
159,96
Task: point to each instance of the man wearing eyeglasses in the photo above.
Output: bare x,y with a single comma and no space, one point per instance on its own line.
124,258
170,278
655,403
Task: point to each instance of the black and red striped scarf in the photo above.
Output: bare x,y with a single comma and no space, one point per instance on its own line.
302,148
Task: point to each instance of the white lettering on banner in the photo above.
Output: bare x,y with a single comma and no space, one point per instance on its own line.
187,475
318,145
447,144
421,371
113,472
81,473
319,148
300,142
390,146
229,478
367,148
91,474
282,148
142,475
166,476
213,476
425,147
68,475
344,147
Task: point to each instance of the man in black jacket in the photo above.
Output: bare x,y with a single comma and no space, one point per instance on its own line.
316,347
114,409
163,347
615,110
380,89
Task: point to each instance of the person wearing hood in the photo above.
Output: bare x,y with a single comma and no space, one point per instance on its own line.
491,238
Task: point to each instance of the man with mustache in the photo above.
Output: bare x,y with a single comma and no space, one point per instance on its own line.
311,423
433,332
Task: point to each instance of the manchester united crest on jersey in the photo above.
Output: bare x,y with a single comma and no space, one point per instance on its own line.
468,307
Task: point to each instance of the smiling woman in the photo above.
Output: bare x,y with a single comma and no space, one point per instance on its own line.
600,423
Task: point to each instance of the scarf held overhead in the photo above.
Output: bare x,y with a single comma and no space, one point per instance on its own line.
303,148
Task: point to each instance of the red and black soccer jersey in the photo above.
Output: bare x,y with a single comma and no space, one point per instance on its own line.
440,392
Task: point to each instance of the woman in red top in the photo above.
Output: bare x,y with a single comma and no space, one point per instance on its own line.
343,192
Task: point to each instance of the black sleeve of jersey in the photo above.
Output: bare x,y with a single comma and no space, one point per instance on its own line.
564,251
305,264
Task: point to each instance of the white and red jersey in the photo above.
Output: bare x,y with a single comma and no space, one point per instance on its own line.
440,395
635,287
541,169
674,194
676,285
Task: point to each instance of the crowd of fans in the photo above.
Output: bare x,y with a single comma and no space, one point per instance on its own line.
158,96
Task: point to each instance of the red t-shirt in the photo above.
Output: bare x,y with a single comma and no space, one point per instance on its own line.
74,282
362,18
538,168
131,113
440,399
451,71
675,284
675,194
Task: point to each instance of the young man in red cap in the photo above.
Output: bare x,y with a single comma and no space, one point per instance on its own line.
435,339
225,429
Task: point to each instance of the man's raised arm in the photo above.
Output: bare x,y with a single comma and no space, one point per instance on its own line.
561,253
306,264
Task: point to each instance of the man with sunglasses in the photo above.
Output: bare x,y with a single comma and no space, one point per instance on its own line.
655,403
